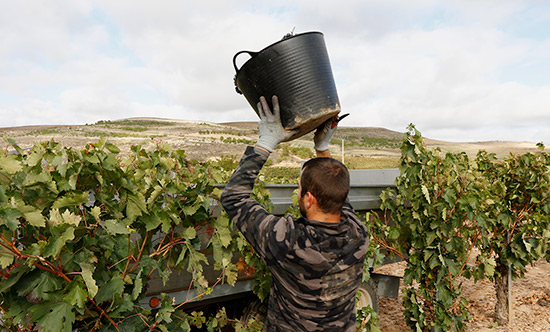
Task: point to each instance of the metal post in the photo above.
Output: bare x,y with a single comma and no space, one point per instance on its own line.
343,151
509,288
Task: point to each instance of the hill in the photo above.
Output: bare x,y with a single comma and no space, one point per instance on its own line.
364,147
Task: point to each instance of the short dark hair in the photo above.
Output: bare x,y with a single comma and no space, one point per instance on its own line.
327,180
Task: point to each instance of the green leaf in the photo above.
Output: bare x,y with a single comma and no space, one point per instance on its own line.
96,212
112,288
9,164
138,286
5,259
57,242
190,210
76,295
114,227
454,268
135,207
152,221
489,267
91,158
30,213
9,217
112,148
36,178
430,237
182,255
39,283
13,143
61,163
87,275
71,199
35,218
12,280
225,236
60,318
189,233
153,196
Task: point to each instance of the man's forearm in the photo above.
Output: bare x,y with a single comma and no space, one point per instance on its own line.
323,154
240,185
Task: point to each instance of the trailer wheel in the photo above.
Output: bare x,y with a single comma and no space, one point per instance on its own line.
368,296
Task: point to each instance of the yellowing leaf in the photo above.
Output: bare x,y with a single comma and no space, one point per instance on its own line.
95,212
10,165
87,275
70,218
189,233
35,218
5,259
426,193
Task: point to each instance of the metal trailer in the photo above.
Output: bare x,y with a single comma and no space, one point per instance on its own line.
365,189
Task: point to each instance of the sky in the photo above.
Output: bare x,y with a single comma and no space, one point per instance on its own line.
459,70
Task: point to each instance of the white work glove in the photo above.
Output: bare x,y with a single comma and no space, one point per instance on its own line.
324,133
270,128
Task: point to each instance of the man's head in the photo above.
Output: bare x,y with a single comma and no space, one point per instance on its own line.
327,180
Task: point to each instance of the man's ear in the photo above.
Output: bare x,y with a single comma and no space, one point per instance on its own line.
310,200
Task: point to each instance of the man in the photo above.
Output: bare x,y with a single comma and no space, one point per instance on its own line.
316,260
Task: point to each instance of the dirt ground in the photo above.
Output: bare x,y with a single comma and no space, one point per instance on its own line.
530,296
203,140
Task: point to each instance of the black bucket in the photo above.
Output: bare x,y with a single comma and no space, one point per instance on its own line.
297,70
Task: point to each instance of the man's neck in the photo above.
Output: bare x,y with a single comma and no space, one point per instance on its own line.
324,217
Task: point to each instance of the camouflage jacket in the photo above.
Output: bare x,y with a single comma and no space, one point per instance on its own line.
316,266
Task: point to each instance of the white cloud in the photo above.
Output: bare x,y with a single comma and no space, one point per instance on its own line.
456,69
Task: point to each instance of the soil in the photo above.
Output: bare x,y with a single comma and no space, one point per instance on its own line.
530,297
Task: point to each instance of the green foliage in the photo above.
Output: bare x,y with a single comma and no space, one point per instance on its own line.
81,232
300,151
434,215
516,228
443,207
367,320
281,175
137,122
380,142
233,140
227,163
47,131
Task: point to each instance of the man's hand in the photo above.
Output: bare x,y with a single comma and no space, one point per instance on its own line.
270,128
324,133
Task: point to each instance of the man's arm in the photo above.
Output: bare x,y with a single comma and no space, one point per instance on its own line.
248,215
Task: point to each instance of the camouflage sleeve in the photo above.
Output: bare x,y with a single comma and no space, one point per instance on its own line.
257,225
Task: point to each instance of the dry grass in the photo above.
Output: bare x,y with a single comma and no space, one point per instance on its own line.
365,147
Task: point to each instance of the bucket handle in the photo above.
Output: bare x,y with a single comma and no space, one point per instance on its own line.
237,69
239,53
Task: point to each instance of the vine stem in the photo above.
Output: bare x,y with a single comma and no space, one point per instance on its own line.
201,294
140,253
10,246
3,314
385,245
104,313
129,256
